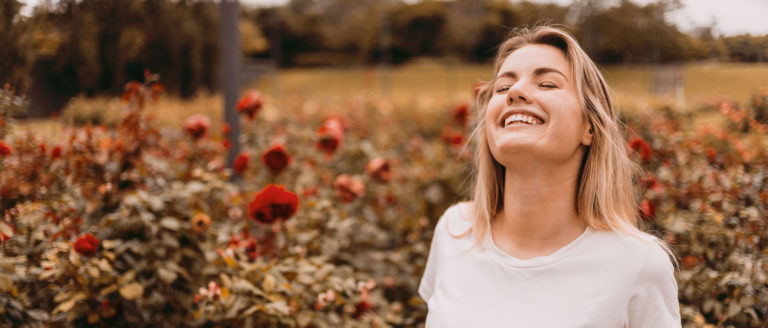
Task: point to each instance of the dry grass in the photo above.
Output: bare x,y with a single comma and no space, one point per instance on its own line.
415,91
737,81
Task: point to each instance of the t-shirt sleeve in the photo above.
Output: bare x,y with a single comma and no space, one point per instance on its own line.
427,285
654,298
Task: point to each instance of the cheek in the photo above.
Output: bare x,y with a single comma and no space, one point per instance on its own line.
494,108
571,111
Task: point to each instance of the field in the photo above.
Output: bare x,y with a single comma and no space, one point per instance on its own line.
326,217
422,87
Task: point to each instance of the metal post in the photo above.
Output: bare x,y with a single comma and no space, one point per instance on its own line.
230,72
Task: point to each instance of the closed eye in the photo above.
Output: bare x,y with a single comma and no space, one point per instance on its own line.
548,85
502,88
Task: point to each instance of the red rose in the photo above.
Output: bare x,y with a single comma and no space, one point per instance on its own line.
105,305
273,203
309,191
197,125
250,103
5,150
225,129
379,169
391,199
251,248
241,163
640,146
361,308
56,152
348,188
131,88
4,237
452,137
331,132
649,182
87,244
276,159
647,209
156,90
711,155
689,261
461,114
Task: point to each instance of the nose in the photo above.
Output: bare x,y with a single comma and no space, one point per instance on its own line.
517,93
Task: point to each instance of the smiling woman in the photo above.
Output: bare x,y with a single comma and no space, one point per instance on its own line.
550,238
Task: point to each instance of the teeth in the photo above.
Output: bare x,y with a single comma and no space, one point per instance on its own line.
522,118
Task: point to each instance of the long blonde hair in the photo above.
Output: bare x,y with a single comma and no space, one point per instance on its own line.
605,195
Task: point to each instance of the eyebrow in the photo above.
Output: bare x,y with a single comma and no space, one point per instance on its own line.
536,72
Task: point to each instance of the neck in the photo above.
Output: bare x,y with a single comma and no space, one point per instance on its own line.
539,214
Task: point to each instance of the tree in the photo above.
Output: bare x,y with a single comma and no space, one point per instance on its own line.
15,56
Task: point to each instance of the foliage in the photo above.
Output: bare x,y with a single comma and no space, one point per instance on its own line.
15,60
97,45
759,106
647,37
173,240
11,107
142,225
709,191
93,46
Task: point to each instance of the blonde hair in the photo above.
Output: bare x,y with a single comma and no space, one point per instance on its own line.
605,194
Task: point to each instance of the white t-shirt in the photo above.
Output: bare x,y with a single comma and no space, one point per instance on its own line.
601,279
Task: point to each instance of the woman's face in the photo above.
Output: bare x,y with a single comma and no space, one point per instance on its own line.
534,112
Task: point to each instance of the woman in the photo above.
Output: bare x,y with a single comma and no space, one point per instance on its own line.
550,238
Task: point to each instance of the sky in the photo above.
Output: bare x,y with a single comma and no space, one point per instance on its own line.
731,17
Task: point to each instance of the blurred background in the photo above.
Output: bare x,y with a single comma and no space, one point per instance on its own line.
123,204
56,50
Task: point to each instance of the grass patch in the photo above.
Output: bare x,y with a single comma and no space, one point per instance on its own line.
422,90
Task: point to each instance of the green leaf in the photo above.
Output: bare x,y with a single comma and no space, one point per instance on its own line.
132,291
6,229
167,276
253,309
170,223
733,310
269,283
38,315
242,285
65,306
235,308
281,307
6,283
128,276
69,304
108,290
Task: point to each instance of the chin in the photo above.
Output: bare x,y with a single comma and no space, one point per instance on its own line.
511,153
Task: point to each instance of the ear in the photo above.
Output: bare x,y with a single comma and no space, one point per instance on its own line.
586,139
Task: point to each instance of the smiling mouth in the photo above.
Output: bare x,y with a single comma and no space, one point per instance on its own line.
522,119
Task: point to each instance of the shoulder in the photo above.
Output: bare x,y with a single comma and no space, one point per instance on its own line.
453,231
657,263
456,220
653,298
644,251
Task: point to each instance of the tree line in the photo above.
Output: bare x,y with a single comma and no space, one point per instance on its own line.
95,46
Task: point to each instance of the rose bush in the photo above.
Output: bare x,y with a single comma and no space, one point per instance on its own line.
140,225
